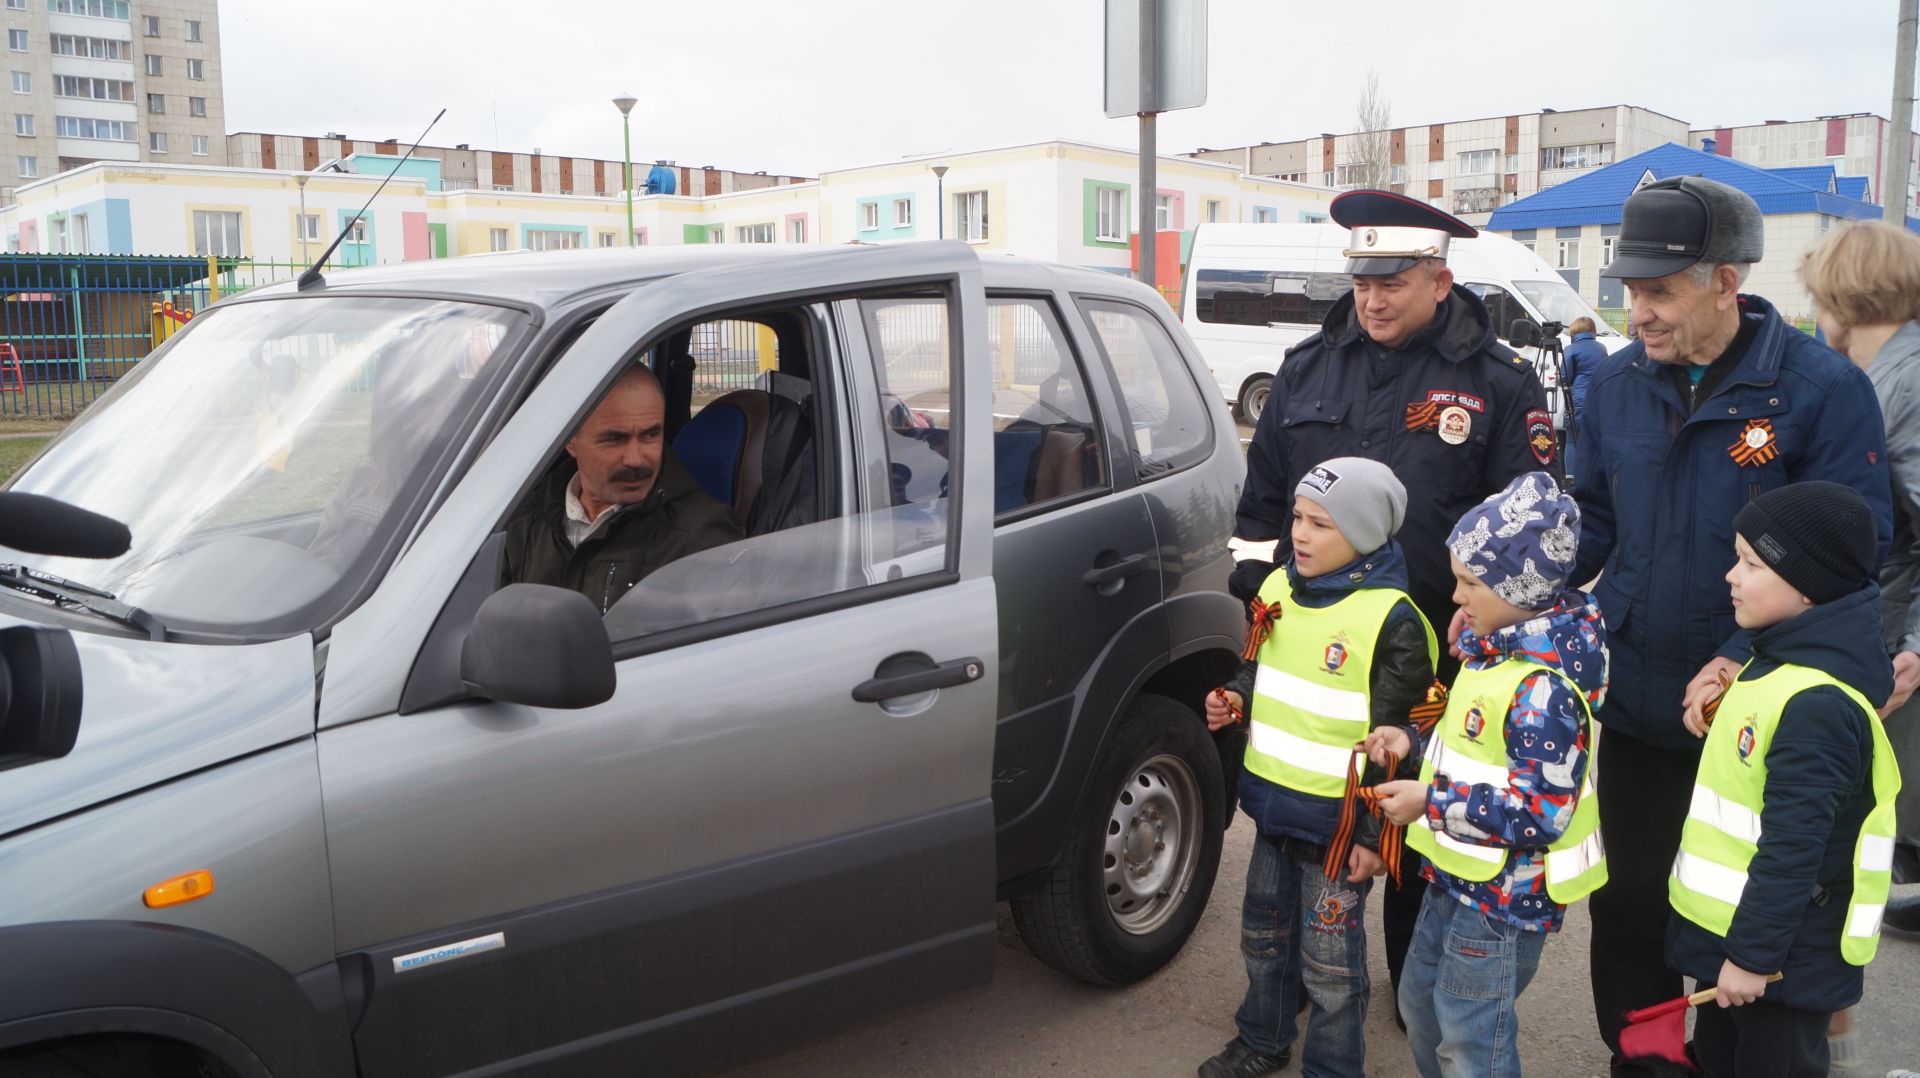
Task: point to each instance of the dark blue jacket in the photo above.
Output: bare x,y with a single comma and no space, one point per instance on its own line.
1658,489
1584,356
1819,790
1400,676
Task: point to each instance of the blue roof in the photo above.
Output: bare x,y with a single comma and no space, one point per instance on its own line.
1853,187
1596,198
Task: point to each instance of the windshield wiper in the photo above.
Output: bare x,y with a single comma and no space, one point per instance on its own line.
72,595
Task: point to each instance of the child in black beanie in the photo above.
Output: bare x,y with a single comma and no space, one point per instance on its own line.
1786,855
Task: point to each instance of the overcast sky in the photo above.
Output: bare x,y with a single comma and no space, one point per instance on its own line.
802,86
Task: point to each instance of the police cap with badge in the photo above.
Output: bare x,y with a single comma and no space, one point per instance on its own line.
1393,232
1673,223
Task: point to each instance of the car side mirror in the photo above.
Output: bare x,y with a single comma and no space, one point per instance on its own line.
40,685
1524,333
540,646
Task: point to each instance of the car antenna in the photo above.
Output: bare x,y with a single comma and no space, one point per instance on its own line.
312,275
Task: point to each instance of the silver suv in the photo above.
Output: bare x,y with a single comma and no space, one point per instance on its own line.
338,802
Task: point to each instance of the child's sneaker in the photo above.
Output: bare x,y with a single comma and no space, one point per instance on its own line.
1239,1060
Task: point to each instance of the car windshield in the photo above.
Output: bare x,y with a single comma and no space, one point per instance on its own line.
266,450
1558,302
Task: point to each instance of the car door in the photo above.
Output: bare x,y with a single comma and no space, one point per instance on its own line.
780,819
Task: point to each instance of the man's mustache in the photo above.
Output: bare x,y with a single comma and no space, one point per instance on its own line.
638,474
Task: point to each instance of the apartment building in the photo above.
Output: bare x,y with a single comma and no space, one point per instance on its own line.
1467,167
464,168
1853,145
109,80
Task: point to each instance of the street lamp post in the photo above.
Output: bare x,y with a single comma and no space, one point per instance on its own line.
940,199
625,103
301,181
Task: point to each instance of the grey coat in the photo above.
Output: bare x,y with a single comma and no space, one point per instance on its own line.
1896,381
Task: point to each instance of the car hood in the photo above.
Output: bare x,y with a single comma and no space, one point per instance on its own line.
151,712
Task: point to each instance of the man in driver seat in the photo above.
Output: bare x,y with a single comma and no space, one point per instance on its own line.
627,508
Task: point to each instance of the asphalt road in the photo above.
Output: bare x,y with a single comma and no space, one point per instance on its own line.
1035,1022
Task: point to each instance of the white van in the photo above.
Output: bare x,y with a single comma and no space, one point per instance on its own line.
1254,291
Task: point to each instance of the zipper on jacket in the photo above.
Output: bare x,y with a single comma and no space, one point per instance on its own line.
1753,491
606,594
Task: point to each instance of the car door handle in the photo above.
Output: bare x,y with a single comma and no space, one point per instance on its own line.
1125,567
945,675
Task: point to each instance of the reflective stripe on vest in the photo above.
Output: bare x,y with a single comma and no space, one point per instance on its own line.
1723,827
1309,705
1469,746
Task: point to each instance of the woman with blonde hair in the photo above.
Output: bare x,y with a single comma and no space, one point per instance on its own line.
1865,282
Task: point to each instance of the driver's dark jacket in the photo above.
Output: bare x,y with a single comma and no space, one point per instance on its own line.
676,519
1337,394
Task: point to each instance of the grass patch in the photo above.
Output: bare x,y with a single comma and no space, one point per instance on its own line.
17,451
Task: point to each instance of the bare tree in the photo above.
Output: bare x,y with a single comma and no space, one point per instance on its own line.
1373,163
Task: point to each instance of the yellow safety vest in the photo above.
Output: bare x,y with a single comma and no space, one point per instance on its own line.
1722,832
1309,703
1469,745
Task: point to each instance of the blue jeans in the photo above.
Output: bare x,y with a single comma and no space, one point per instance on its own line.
1464,973
1300,928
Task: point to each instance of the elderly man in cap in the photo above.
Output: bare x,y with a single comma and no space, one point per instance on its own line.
1406,370
1718,402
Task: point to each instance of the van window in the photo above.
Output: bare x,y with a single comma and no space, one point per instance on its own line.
1257,297
1502,308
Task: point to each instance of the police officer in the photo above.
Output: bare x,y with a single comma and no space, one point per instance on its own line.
1406,370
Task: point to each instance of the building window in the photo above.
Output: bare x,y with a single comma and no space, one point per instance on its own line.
216,232
29,167
1264,215
95,48
762,233
903,213
157,141
1478,162
1398,174
1568,256
496,239
970,210
1213,211
606,238
82,234
1162,212
99,9
17,5
357,231
1589,155
23,124
22,82
153,64
157,104
88,127
869,216
17,40
639,237
196,69
1608,246
193,30
196,106
716,234
1513,162
199,145
1475,199
797,230
1110,214
92,89
307,226
152,25
552,239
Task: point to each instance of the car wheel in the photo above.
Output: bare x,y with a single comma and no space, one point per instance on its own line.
1139,862
1253,397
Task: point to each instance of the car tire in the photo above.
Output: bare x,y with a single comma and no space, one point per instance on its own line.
1139,862
1253,397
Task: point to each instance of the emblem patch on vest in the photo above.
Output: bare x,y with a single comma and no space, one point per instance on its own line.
1745,744
1336,656
1475,722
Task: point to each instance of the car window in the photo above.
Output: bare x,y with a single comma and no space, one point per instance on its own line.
894,528
1260,297
1167,415
1502,308
1046,445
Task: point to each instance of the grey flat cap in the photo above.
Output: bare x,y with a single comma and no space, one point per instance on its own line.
1671,224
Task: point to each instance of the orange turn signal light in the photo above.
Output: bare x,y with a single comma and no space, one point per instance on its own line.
183,888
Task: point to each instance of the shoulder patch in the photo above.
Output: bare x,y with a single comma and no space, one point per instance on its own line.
1540,436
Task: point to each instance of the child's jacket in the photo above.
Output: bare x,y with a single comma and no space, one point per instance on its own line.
1817,759
1548,744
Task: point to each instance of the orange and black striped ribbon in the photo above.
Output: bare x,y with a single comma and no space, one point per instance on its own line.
1264,615
1712,707
1422,415
1747,455
1392,836
1426,714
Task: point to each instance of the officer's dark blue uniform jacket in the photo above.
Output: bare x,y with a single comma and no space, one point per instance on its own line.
1819,791
1337,394
1658,489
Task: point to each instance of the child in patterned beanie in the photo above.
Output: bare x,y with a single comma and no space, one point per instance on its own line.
1509,823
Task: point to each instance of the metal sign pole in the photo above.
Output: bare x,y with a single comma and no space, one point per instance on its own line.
1149,70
